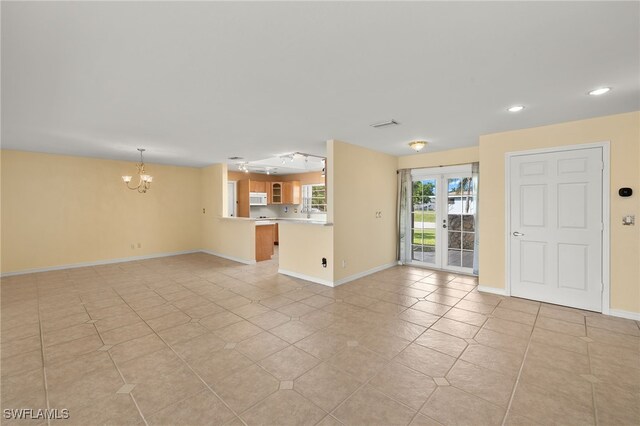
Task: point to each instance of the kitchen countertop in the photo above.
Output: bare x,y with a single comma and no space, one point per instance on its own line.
274,220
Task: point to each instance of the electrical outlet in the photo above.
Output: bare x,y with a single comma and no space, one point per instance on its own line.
629,220
133,246
203,211
344,263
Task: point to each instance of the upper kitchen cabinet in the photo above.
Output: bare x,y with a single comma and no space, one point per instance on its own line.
257,186
244,189
243,197
275,194
291,192
285,193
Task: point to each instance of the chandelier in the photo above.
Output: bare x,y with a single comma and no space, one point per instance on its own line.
144,180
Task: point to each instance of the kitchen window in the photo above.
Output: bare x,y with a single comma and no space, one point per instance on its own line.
314,199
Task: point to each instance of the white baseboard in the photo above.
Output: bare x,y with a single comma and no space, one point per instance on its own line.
224,256
492,290
97,263
364,273
306,277
625,314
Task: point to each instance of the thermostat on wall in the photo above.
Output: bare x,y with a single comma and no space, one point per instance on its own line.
625,192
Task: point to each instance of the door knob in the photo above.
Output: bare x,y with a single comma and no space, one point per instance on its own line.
518,234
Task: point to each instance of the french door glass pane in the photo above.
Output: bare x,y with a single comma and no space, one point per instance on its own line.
423,220
460,219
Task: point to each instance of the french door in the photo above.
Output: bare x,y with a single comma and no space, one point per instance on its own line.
442,222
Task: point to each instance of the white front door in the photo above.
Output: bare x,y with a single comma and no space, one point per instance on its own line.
556,223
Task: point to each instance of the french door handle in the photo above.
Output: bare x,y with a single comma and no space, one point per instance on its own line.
518,234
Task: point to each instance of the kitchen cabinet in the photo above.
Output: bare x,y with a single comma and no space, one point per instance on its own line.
244,187
291,192
285,192
275,234
276,193
264,242
242,199
257,186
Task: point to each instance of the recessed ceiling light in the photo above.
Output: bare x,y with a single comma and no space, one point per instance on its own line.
515,108
599,91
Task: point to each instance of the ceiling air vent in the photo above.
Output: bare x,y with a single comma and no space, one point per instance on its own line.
385,124
235,158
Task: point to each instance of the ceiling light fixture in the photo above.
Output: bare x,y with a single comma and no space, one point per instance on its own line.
244,167
144,180
289,157
385,124
417,145
599,91
515,108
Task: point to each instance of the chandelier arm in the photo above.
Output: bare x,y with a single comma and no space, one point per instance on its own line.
135,187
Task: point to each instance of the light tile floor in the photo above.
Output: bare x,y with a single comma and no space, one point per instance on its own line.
196,339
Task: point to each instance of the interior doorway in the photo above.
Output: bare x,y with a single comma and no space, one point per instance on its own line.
231,199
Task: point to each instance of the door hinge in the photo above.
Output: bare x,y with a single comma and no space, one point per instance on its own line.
602,165
601,226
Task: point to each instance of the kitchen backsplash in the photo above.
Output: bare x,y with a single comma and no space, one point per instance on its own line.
288,211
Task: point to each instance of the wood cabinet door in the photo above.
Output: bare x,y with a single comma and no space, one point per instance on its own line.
243,197
276,193
287,193
296,192
291,192
258,186
264,242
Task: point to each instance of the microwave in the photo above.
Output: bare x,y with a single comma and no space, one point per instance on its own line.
257,198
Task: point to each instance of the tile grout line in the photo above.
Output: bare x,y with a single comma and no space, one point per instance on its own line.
389,362
115,365
524,358
44,370
181,359
457,358
394,316
593,385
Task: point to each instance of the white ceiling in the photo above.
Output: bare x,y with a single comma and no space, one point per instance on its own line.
283,165
195,83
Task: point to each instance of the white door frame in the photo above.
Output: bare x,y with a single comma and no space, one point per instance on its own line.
606,232
233,213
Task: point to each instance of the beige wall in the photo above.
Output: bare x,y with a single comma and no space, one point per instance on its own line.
440,158
62,210
302,247
232,238
361,182
623,133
